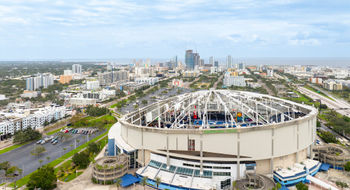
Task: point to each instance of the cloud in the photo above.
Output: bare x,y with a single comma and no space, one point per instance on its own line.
156,24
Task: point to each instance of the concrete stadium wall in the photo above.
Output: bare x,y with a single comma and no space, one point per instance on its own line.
286,142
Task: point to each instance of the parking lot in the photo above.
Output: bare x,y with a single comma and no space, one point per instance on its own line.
22,157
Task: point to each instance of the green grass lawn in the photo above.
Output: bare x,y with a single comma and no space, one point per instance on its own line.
54,163
12,147
94,121
72,176
55,131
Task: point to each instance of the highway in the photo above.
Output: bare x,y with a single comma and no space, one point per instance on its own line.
339,105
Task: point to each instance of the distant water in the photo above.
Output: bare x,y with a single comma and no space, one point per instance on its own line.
332,62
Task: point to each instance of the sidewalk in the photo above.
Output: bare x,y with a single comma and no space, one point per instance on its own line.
6,143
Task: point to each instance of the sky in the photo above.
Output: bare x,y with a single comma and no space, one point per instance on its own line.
108,29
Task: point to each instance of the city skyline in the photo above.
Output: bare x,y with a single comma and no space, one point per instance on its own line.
124,29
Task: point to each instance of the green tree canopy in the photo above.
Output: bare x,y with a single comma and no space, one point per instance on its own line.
38,150
44,178
81,159
26,135
347,166
96,111
93,148
301,186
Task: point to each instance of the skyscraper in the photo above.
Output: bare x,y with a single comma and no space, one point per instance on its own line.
196,59
189,59
201,62
241,66
229,61
211,60
216,63
76,68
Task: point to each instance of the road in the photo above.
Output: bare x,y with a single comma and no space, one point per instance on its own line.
269,91
217,82
22,158
337,105
339,100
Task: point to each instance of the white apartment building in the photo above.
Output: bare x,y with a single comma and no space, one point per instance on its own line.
148,80
85,98
92,84
332,85
233,80
34,118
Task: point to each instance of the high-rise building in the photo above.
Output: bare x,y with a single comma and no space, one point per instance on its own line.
201,62
39,80
211,60
229,61
216,63
176,64
113,76
30,84
196,59
241,66
76,68
190,59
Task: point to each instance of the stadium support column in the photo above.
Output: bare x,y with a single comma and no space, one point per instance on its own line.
298,139
313,140
238,156
201,154
272,149
167,151
143,148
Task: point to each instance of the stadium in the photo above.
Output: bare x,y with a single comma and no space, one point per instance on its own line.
207,139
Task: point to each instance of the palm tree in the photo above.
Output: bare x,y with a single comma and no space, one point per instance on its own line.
144,181
48,158
40,162
118,183
158,181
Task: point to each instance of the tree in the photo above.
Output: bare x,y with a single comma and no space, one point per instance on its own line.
26,135
64,136
5,165
144,181
118,183
144,102
93,148
301,186
96,111
277,187
44,178
158,181
81,159
13,172
347,166
40,162
38,150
